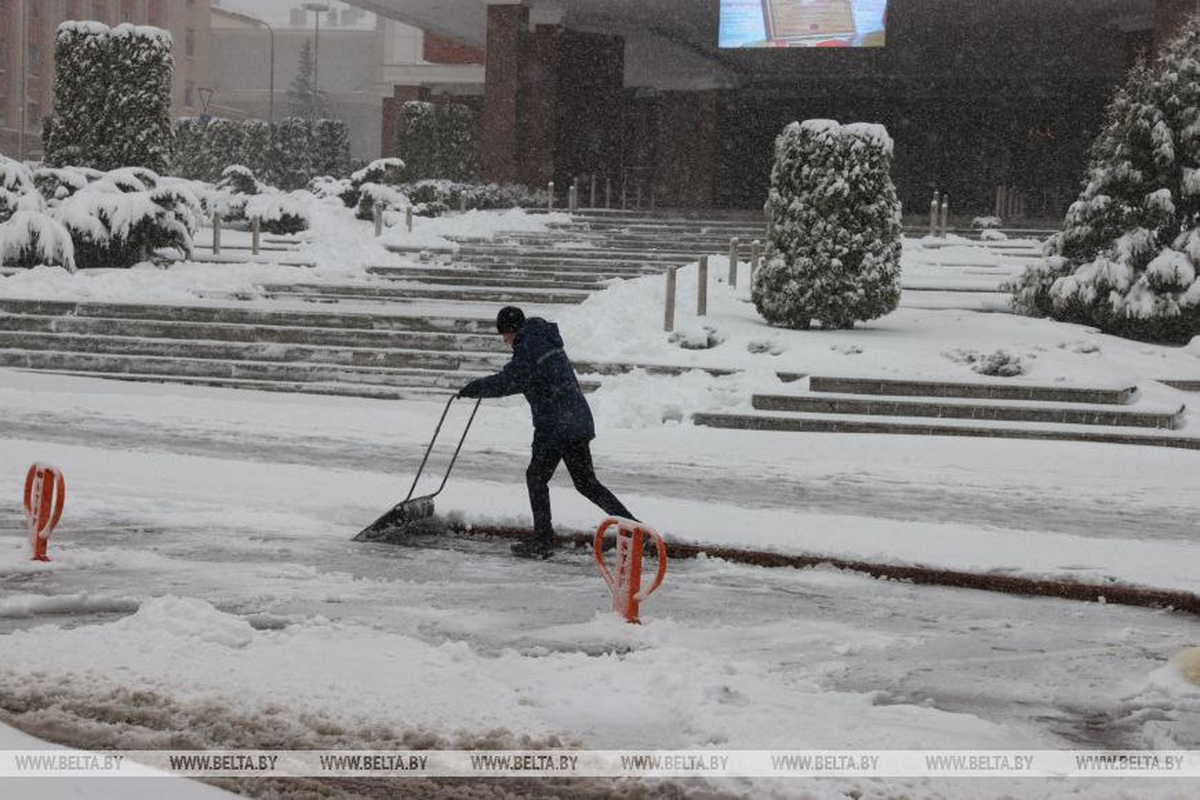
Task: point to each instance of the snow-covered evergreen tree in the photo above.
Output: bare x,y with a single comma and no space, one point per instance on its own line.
293,142
458,157
305,98
223,145
1126,260
834,251
257,148
417,139
139,98
77,132
188,157
331,148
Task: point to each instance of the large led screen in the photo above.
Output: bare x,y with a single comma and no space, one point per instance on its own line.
802,23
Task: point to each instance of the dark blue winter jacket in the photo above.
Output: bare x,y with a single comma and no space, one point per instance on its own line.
540,370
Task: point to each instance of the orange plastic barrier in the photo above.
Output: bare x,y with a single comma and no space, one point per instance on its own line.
45,493
626,582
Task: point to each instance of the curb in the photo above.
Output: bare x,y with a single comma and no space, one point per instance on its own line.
1009,584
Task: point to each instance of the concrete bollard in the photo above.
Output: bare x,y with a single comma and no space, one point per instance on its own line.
550,192
702,288
573,198
377,218
669,312
462,202
945,214
608,192
255,229
754,256
216,233
933,213
733,261
408,218
592,204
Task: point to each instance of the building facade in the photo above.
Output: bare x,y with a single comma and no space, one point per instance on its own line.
983,100
27,32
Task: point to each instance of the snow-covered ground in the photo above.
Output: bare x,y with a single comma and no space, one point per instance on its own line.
204,591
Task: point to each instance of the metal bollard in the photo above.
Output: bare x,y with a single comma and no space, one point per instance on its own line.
702,288
754,256
933,213
216,233
669,313
408,218
945,214
733,262
550,191
573,198
377,215
592,204
608,192
255,228
462,202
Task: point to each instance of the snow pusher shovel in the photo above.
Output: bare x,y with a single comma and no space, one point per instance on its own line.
399,519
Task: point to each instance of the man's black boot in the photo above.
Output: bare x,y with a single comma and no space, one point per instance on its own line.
534,548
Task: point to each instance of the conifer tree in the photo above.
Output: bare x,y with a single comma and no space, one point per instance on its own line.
458,157
223,145
75,132
417,139
305,98
139,98
293,142
834,251
258,153
1127,257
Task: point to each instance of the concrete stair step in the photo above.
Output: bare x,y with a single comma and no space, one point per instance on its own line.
251,332
941,408
992,390
816,423
253,351
299,387
258,316
408,294
590,254
181,368
510,278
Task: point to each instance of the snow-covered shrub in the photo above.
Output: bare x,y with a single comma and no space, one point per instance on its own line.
383,171
30,238
293,142
189,158
277,212
258,154
441,195
139,103
331,148
17,190
237,186
386,196
998,364
986,222
223,143
834,251
325,187
1126,259
59,183
437,141
112,95
113,224
417,139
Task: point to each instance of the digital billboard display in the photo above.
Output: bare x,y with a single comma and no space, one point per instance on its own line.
802,23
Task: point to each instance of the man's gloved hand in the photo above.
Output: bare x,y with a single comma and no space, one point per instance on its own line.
462,392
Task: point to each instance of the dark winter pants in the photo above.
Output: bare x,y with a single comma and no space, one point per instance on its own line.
578,457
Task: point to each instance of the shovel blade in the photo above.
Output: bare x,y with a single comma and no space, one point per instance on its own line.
395,520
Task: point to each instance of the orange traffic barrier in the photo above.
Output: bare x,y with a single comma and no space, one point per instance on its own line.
626,582
45,492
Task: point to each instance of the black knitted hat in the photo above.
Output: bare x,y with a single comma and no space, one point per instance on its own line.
510,319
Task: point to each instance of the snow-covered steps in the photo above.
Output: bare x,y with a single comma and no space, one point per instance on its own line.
412,292
1119,394
978,408
954,408
817,423
502,278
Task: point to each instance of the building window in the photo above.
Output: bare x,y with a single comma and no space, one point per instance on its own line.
189,42
189,93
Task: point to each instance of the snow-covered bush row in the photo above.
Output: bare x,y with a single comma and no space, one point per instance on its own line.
288,154
112,97
1126,259
834,251
85,218
239,197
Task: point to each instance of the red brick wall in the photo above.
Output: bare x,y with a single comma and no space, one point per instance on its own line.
441,50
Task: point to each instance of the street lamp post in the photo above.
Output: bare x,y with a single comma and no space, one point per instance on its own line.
319,9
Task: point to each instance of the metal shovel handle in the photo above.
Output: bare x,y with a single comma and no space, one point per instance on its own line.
429,449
